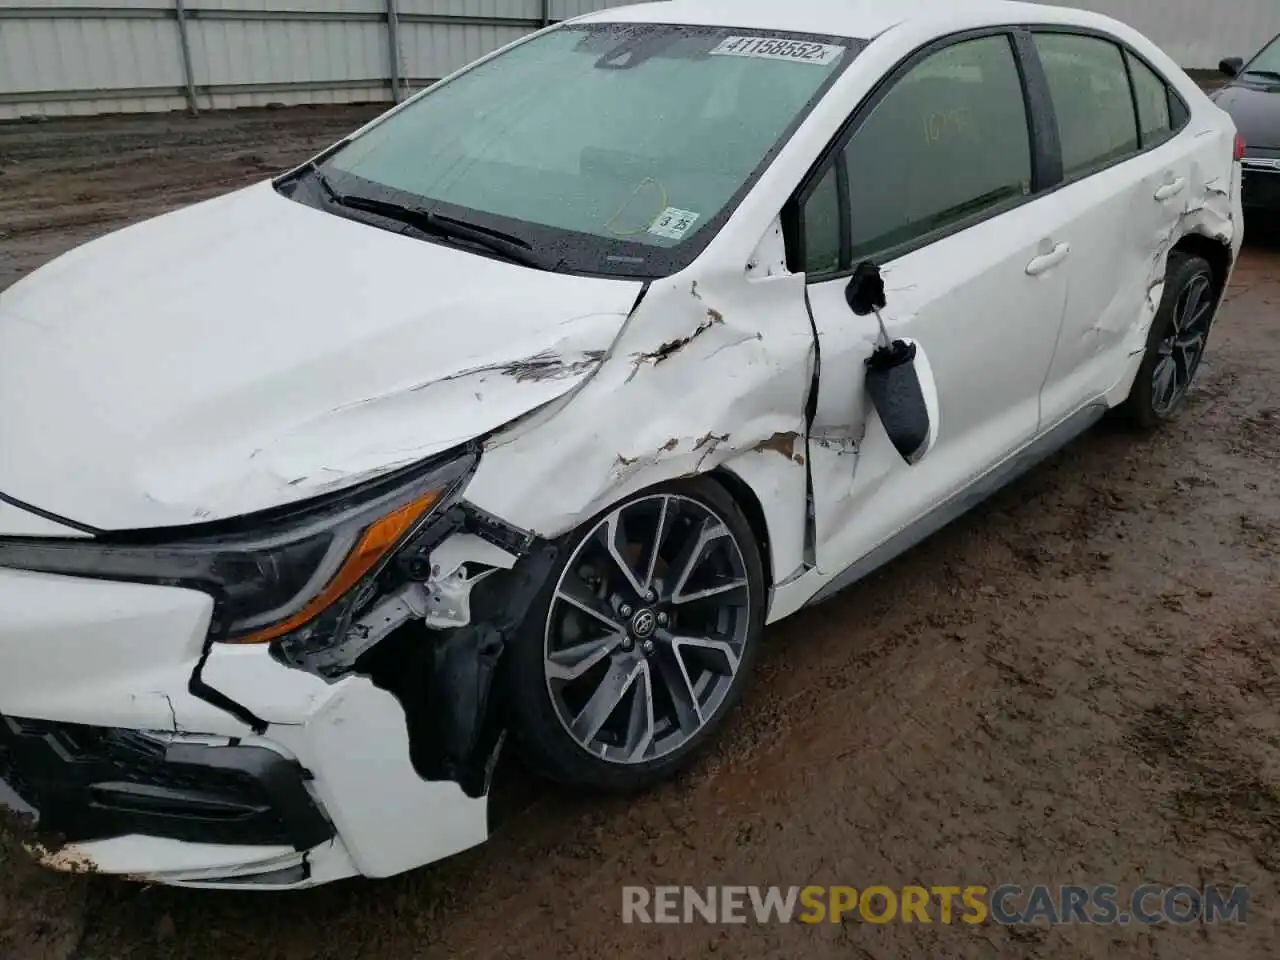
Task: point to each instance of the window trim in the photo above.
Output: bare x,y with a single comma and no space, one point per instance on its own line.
833,153
1126,51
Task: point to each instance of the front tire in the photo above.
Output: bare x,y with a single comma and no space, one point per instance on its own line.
642,639
1176,343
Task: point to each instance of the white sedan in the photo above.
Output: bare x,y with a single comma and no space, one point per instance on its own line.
507,423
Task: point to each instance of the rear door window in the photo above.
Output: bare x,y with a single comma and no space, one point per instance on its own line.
1089,86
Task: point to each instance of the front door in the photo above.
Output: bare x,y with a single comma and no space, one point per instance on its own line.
935,184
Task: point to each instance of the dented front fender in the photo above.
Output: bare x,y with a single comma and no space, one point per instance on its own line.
712,371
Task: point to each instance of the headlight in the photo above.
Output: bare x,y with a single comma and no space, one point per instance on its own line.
293,574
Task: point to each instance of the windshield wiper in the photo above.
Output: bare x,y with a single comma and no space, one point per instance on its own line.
437,224
1269,74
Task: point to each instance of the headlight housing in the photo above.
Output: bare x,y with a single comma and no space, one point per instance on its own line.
293,574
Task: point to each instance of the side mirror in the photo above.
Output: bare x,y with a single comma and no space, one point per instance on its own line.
899,378
1231,66
865,292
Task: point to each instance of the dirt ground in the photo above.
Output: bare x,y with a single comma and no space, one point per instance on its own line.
1077,683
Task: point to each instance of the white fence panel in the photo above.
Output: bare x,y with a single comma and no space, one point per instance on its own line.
62,66
254,62
1196,33
62,57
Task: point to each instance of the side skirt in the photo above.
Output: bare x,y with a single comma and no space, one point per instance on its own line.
964,501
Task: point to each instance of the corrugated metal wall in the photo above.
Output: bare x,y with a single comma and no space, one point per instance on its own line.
64,57
76,57
1196,33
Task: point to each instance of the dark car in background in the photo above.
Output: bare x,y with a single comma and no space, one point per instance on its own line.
1252,97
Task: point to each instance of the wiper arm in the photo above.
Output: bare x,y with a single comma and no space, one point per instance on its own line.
1269,74
495,241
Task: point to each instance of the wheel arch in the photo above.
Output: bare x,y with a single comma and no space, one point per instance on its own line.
749,503
1216,252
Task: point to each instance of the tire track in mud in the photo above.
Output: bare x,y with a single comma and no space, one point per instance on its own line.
1074,684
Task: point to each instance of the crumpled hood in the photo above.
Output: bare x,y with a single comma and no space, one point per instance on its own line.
1256,113
251,351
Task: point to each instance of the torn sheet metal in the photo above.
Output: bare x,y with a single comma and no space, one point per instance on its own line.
1210,212
707,373
336,353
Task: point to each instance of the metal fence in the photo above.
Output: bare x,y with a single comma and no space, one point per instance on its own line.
75,57
1196,33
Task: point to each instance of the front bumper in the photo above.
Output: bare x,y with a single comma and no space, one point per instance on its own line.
93,783
128,772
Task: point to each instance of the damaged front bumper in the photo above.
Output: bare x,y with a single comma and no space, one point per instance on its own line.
118,754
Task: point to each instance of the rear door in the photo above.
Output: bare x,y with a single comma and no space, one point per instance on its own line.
935,181
1127,178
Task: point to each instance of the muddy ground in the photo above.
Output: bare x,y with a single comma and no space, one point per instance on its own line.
1077,683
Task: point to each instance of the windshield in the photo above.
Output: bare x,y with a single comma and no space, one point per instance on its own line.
611,148
1266,65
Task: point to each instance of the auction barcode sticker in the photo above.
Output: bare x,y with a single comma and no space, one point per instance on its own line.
778,48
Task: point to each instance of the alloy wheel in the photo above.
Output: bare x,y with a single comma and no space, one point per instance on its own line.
1181,350
647,628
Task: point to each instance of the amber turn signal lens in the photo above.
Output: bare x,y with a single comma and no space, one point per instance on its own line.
380,537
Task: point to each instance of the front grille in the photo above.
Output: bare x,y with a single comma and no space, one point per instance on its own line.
93,783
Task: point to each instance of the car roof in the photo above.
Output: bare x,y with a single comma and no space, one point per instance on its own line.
862,19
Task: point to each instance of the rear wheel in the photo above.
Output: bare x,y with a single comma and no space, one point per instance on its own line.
642,639
1176,344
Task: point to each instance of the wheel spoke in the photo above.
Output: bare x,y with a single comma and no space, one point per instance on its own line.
719,590
612,532
691,556
659,535
1192,304
716,655
1197,321
605,699
576,593
641,724
1188,352
675,678
574,662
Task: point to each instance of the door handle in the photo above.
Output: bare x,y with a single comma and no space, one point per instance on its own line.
1048,261
1171,189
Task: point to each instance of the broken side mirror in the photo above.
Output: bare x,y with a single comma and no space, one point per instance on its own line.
899,378
1231,66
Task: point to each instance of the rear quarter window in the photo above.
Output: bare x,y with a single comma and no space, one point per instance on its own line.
1153,96
1089,86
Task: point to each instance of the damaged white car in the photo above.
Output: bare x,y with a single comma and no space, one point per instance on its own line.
508,422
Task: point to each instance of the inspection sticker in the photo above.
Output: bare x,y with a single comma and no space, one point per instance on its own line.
778,48
673,223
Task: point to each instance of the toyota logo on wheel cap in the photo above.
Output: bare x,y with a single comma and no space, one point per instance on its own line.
643,624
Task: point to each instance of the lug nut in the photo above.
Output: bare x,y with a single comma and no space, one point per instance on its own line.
647,647
625,609
662,619
651,596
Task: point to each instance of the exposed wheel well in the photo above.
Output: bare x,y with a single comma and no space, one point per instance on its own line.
747,500
1217,253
